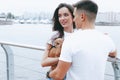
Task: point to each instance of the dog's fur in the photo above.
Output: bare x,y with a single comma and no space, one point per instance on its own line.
56,50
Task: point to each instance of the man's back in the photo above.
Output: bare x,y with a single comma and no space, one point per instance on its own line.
88,51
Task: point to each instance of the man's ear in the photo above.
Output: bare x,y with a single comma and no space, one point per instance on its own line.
83,16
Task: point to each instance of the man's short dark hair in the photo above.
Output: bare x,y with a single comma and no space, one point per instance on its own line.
87,5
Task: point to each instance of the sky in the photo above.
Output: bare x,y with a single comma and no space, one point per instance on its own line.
21,6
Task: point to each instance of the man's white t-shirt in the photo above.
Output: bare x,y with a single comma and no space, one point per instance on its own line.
87,50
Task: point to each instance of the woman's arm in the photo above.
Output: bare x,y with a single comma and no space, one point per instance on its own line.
48,61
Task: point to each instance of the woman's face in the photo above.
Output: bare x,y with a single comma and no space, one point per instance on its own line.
65,17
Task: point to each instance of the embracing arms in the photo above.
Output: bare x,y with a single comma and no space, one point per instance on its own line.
48,61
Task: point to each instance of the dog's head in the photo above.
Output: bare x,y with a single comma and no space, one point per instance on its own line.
58,42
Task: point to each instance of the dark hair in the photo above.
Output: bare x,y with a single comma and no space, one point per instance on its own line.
88,6
56,24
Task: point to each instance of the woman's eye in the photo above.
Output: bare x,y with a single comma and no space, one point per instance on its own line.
65,14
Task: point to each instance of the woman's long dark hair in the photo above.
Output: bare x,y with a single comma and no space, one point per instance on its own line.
56,24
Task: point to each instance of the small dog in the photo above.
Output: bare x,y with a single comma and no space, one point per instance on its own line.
55,52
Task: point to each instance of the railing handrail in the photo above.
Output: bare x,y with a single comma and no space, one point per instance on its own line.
23,45
9,55
42,48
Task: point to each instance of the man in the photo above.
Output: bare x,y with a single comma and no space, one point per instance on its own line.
84,53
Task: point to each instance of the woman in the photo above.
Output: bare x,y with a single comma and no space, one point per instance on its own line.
63,26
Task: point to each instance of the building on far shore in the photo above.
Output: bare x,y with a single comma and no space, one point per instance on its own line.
4,20
108,18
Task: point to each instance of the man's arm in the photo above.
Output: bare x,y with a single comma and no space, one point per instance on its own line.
60,71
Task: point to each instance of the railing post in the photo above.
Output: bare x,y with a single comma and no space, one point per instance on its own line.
9,62
116,69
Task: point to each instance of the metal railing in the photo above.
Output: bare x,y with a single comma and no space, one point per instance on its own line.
10,56
10,59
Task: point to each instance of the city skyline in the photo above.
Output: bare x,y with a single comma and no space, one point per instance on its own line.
103,18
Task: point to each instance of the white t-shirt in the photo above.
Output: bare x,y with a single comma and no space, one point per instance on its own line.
55,34
87,50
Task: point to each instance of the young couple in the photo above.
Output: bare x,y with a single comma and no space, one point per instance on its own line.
84,53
